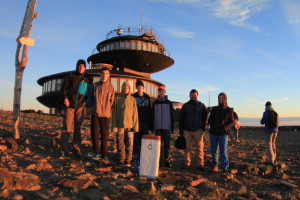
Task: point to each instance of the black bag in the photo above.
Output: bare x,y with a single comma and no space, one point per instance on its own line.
180,142
272,119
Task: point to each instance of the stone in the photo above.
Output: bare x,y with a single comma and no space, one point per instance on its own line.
12,144
3,147
92,194
77,184
167,187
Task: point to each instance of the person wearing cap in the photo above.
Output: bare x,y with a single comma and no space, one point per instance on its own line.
221,119
270,119
144,112
192,124
125,123
102,102
75,91
163,123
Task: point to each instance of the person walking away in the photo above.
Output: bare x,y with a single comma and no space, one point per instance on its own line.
270,119
234,132
103,96
192,124
125,122
163,123
144,113
221,119
75,93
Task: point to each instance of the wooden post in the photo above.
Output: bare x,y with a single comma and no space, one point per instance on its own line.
20,64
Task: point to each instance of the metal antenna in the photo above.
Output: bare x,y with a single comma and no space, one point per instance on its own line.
142,15
208,99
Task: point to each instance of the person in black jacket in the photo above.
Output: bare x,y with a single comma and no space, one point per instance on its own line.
75,92
221,119
144,111
163,123
192,124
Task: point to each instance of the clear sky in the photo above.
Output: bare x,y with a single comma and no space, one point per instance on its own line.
249,49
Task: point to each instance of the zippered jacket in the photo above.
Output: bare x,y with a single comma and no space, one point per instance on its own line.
76,88
163,114
193,116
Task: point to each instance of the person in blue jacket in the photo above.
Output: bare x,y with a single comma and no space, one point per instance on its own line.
271,121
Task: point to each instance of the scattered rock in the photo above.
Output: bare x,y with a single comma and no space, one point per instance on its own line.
12,144
78,184
167,187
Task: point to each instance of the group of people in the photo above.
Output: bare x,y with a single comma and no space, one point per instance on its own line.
133,115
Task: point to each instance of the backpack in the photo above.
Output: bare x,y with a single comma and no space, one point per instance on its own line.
272,119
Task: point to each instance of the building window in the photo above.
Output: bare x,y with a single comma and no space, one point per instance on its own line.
58,85
111,46
96,79
144,45
53,84
117,45
49,86
122,44
114,82
139,45
133,44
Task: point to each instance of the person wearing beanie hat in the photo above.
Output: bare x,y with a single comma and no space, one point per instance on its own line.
192,124
139,82
75,90
163,124
221,119
125,123
270,119
103,100
144,112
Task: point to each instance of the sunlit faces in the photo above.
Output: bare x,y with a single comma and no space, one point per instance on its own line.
194,96
104,75
126,90
81,68
161,93
221,99
140,89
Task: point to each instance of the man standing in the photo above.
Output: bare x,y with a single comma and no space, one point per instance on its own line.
271,121
144,111
221,119
192,124
125,120
163,123
75,91
102,102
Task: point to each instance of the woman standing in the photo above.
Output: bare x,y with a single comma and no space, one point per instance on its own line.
125,122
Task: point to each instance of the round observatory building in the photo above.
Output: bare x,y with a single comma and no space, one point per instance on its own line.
129,53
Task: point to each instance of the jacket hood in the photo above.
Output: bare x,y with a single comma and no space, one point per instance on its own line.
79,62
125,84
224,105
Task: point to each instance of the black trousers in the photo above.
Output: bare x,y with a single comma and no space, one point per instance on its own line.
165,144
100,130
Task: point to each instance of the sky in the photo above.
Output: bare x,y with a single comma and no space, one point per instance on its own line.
249,49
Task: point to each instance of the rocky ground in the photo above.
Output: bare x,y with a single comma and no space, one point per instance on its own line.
30,168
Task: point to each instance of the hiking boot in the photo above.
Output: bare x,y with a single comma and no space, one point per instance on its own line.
215,169
94,156
121,162
105,160
127,163
62,155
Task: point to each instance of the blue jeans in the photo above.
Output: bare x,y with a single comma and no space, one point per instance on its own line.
218,145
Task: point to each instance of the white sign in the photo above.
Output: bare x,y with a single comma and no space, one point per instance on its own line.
27,41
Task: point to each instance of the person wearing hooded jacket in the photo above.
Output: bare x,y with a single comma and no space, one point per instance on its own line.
75,91
163,123
221,119
125,122
271,132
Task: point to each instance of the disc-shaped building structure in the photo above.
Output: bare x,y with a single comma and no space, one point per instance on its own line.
131,54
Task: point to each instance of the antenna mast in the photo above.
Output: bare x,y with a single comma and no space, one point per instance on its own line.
142,16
